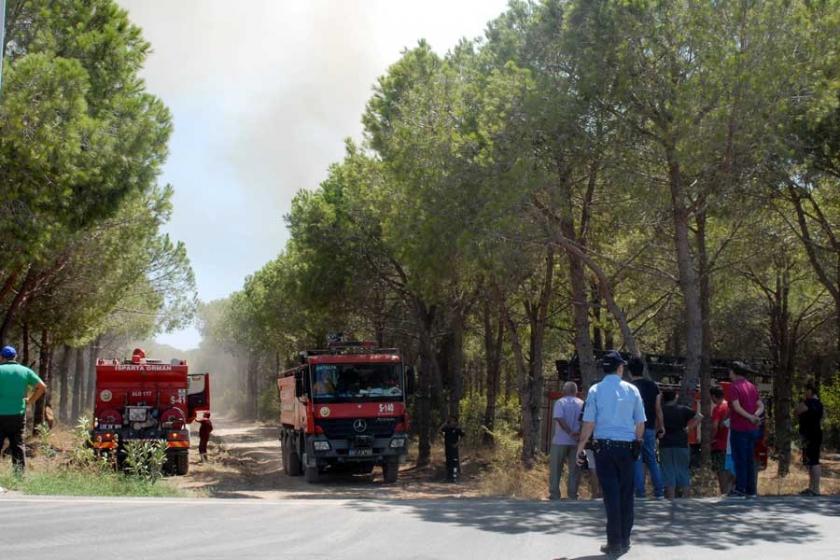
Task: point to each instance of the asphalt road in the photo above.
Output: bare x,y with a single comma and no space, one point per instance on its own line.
36,528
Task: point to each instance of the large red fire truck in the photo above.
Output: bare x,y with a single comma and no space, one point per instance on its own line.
344,407
142,399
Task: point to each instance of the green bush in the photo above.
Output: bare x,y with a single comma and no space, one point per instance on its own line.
830,397
472,409
42,431
144,459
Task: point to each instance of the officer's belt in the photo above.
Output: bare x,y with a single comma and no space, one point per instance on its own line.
611,444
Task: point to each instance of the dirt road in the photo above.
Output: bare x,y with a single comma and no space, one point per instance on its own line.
245,463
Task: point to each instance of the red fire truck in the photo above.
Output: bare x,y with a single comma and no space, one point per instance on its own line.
344,407
142,399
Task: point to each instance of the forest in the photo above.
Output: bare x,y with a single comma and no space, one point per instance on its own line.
652,176
658,177
84,264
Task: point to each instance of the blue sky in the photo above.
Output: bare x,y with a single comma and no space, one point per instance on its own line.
263,94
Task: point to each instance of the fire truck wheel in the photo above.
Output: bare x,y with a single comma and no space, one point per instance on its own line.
294,462
390,471
182,464
312,475
284,455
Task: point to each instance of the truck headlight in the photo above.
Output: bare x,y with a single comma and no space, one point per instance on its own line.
321,445
398,442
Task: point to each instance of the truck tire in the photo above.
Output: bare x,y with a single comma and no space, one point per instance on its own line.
293,459
312,475
284,455
182,464
390,471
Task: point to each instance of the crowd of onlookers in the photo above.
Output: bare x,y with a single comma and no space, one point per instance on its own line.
737,416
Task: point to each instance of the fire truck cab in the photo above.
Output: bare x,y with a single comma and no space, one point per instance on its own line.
344,407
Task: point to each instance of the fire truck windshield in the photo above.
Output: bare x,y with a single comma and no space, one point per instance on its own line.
355,382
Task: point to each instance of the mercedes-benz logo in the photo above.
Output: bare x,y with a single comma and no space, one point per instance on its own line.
360,425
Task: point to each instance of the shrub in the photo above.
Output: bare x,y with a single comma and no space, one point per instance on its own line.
144,459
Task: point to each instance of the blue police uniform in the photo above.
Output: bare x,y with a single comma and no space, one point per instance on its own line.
616,408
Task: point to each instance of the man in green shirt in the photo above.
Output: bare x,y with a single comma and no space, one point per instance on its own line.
15,382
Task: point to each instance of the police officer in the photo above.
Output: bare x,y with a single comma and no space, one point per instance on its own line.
615,413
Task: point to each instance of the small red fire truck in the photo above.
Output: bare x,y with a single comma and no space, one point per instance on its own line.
344,407
142,399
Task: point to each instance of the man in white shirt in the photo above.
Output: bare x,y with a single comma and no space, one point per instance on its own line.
566,434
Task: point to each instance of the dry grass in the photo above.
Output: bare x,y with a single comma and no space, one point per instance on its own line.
797,480
500,473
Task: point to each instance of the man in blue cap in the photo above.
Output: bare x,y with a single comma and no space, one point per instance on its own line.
615,414
15,382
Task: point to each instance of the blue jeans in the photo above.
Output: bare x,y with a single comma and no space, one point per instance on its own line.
648,457
615,468
743,455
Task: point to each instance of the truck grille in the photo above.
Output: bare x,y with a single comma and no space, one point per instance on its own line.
344,427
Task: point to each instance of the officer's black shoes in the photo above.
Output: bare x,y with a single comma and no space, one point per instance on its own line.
614,551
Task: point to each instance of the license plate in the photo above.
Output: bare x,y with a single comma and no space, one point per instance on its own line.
361,452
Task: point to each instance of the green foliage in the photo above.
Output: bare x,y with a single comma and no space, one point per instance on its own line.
61,481
830,397
471,418
42,432
144,459
81,148
269,405
82,457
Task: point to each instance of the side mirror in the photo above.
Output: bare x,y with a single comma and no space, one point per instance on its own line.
409,381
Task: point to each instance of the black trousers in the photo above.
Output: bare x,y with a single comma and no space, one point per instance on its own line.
11,427
616,472
453,463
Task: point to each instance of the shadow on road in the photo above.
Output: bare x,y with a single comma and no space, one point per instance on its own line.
715,525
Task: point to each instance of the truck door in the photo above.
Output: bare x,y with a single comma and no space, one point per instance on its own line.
198,393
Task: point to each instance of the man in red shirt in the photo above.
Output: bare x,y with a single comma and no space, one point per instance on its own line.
746,409
720,435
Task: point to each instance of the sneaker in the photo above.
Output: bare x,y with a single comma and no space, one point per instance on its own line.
751,496
808,492
735,494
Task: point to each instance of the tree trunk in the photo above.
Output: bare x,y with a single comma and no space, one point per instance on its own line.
493,340
25,335
783,341
578,283
423,396
90,374
63,375
532,382
15,305
456,361
597,330
706,356
78,384
580,320
45,355
253,396
688,281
